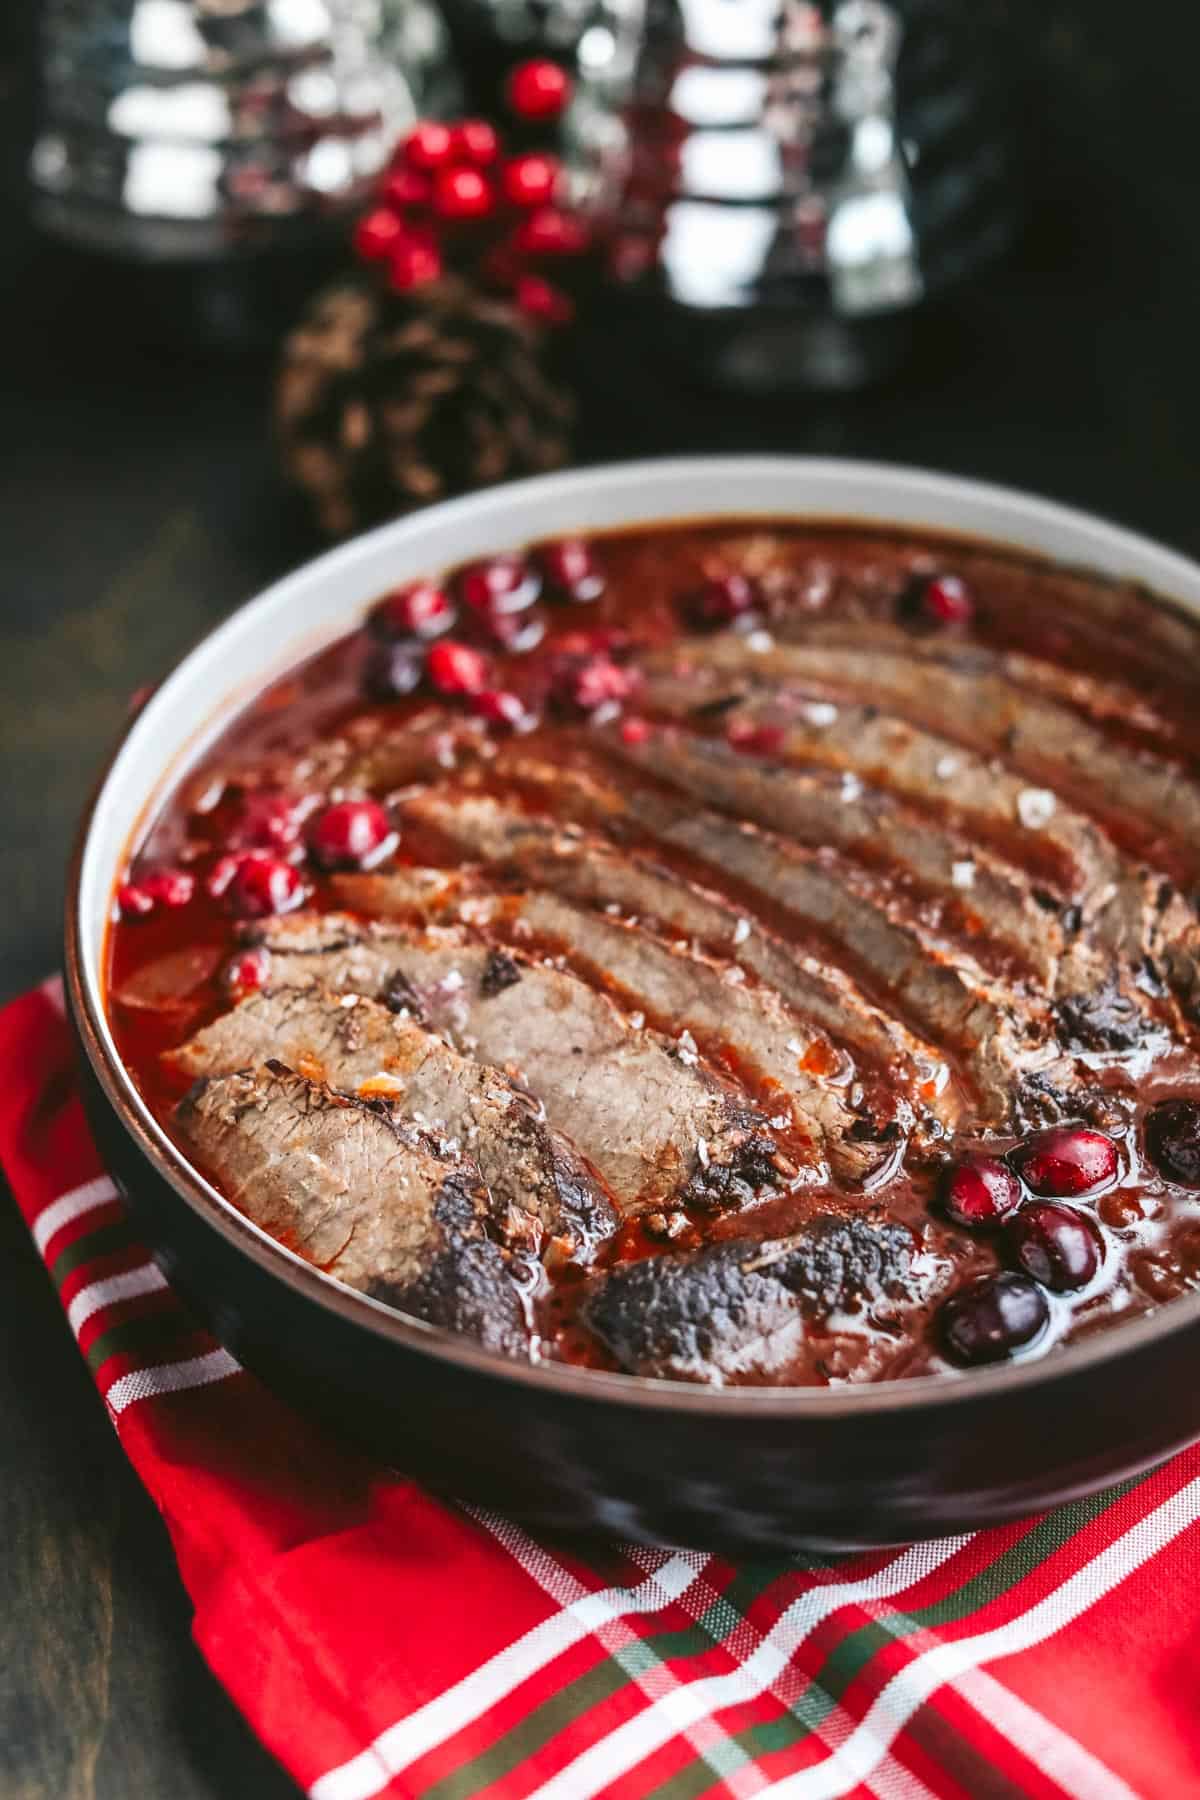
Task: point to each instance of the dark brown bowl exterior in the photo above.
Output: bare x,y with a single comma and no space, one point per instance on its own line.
750,1474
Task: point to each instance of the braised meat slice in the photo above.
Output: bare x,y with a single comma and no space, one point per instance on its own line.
540,1187
359,1195
740,1309
653,1120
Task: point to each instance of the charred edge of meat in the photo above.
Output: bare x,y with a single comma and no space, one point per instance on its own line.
756,1163
500,971
1104,1020
699,1313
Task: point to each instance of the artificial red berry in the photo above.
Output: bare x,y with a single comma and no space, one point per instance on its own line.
462,194
429,145
168,887
420,609
991,1317
1066,1162
350,834
457,669
474,141
500,707
1173,1140
596,683
133,902
407,189
267,819
413,264
551,232
980,1193
944,600
377,234
538,89
254,884
1057,1245
721,600
497,585
531,180
569,569
539,299
247,971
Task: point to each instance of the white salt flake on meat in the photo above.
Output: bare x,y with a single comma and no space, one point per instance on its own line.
741,931
613,908
452,981
963,874
702,1152
945,767
1035,807
778,1121
687,1051
637,1020
820,712
734,976
852,787
348,1000
761,642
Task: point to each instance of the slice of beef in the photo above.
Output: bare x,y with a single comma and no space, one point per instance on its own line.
740,1310
1151,804
347,1187
540,1187
654,1122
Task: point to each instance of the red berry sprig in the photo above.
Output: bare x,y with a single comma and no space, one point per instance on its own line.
454,198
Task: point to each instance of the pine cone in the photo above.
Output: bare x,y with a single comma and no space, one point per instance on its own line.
388,401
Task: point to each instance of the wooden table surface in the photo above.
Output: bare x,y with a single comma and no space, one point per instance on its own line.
138,504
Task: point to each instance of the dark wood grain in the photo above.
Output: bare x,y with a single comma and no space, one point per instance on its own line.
138,505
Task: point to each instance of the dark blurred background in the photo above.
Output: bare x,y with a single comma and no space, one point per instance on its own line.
139,501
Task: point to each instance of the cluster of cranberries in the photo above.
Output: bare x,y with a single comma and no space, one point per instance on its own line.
453,196
1050,1244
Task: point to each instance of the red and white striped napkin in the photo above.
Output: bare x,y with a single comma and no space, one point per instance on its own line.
382,1643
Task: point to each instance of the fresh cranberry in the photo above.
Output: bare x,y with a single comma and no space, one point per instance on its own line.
598,682
499,707
980,1193
474,141
721,600
413,264
497,585
569,569
538,89
991,1317
246,971
418,610
407,190
519,633
457,669
377,234
254,884
462,194
1066,1162
268,819
133,902
541,300
429,145
549,232
755,740
168,887
531,180
392,671
349,834
1173,1140
942,600
636,731
1058,1246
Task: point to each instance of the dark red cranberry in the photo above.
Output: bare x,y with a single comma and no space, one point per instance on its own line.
500,707
1058,1246
992,1317
551,232
1173,1140
569,570
538,89
980,1193
636,731
475,142
428,145
497,585
519,633
349,834
721,600
462,194
377,234
542,300
268,819
457,669
412,264
247,971
755,740
420,609
942,600
254,884
392,671
133,902
1066,1162
407,190
531,180
598,682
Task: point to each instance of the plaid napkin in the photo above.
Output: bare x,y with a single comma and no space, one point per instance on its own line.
382,1643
